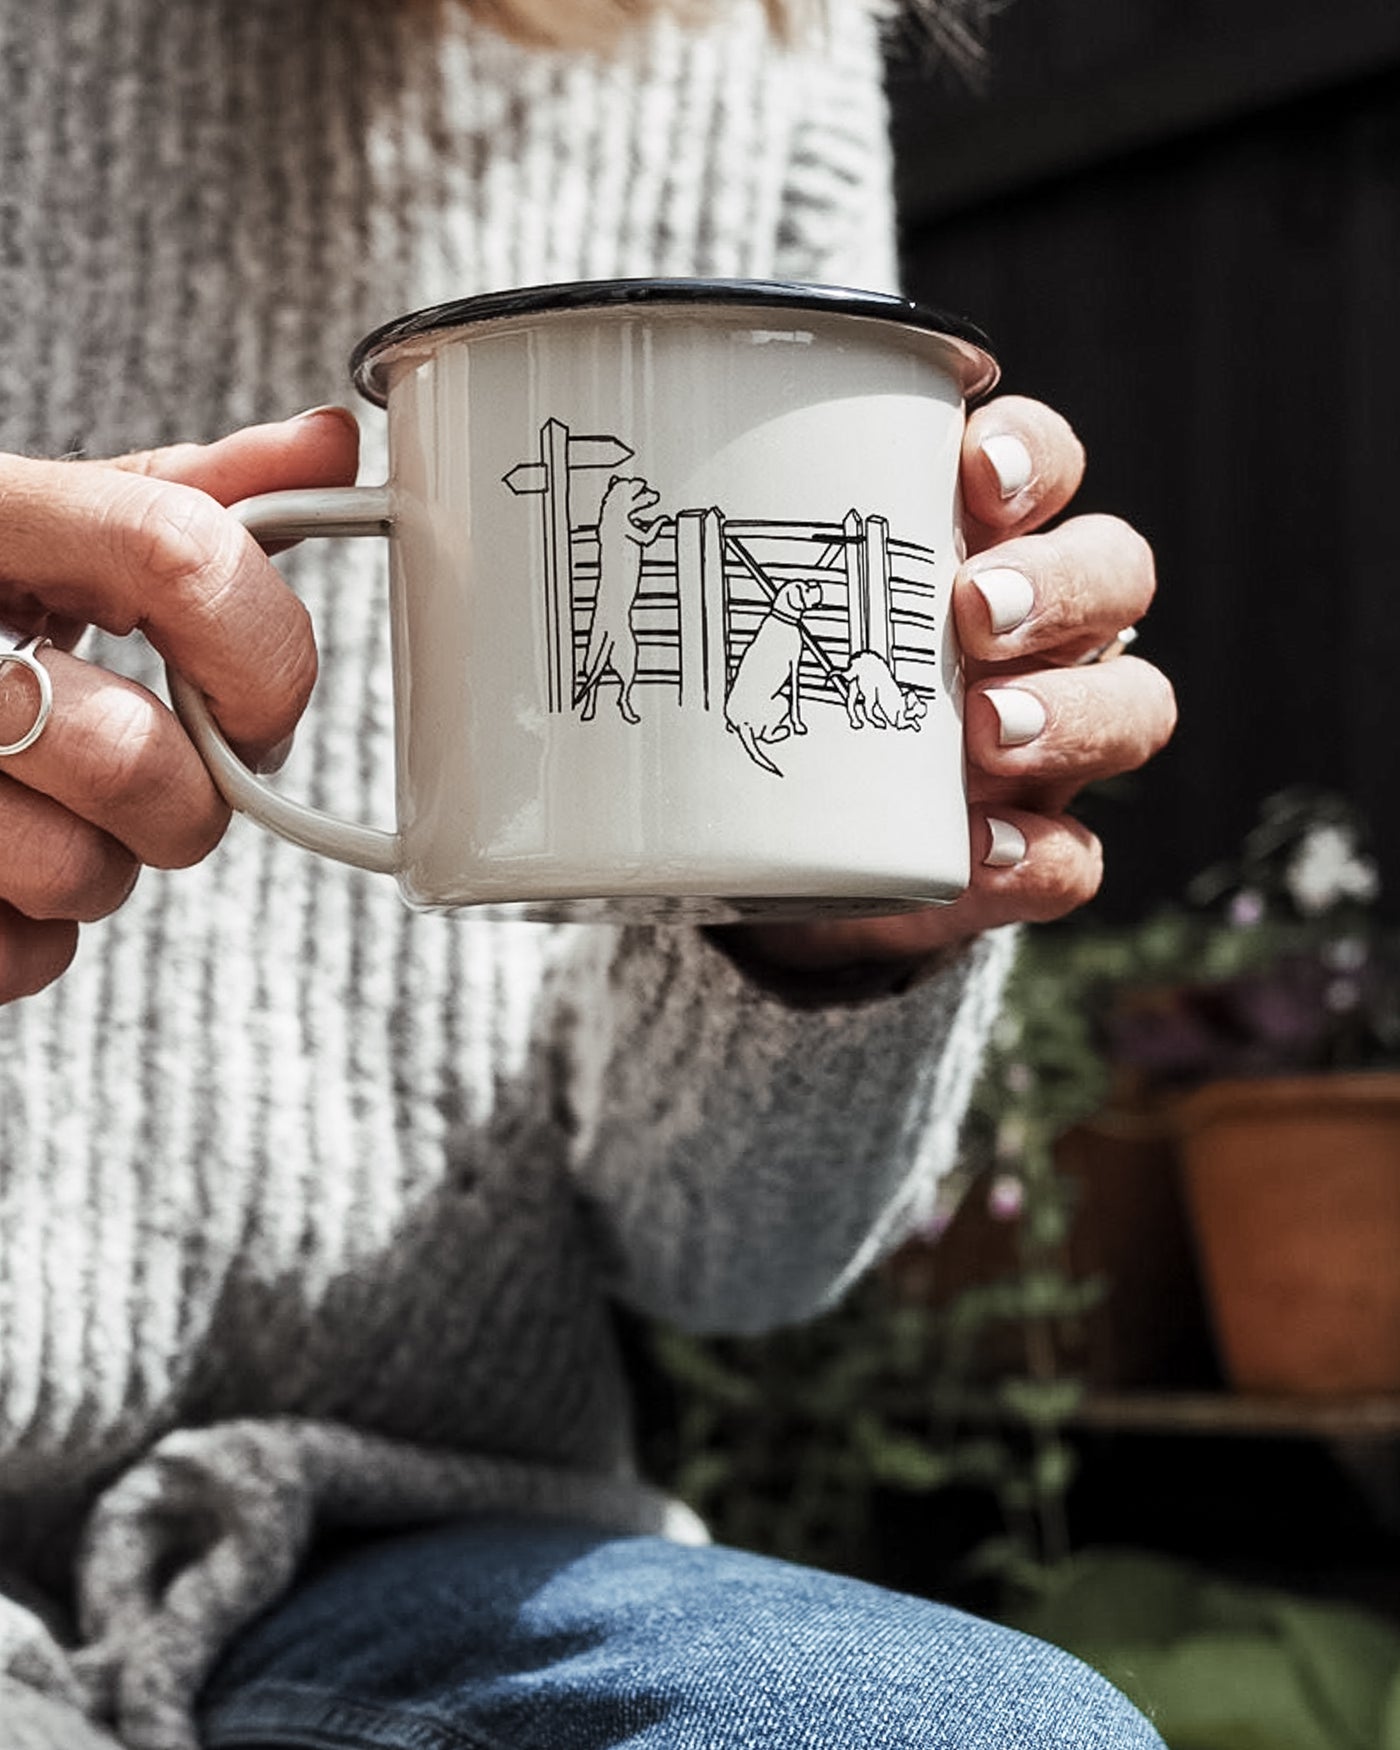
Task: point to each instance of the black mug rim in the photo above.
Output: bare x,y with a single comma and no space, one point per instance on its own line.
963,337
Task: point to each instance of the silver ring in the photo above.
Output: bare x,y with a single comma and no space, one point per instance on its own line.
1115,647
26,654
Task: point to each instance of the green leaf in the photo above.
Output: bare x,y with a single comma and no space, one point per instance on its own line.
901,1460
1043,1403
1055,1466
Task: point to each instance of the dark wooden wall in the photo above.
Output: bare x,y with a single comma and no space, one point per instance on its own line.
1179,220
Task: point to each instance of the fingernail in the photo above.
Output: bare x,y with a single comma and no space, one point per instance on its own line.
1021,715
275,757
1008,595
325,411
1011,462
1008,845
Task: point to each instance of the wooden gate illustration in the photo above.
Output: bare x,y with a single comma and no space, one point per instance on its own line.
706,582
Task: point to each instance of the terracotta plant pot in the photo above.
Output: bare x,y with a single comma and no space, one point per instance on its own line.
1294,1190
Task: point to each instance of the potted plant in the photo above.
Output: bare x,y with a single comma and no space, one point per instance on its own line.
1268,1008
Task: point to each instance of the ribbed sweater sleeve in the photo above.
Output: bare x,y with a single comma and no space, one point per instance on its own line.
743,1162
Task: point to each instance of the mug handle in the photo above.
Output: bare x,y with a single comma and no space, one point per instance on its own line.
290,516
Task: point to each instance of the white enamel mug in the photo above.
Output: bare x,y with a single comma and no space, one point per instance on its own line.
670,579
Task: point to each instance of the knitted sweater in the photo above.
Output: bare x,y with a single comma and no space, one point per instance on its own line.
312,1209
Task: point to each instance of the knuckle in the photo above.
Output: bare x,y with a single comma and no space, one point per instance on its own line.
1100,723
1088,741
123,730
1093,561
1065,591
179,541
140,788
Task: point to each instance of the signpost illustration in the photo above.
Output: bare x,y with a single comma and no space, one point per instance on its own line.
560,454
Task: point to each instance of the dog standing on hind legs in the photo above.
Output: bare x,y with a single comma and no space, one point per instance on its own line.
612,644
764,702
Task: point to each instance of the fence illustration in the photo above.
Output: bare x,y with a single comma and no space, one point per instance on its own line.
701,584
708,582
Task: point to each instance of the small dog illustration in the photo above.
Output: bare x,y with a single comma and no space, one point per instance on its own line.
875,697
764,703
612,645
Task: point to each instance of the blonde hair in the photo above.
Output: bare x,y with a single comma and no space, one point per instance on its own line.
952,28
598,23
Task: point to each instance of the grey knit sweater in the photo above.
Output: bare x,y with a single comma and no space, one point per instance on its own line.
311,1209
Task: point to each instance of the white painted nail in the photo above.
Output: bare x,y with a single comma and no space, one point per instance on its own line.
1011,462
1021,715
1008,845
1008,595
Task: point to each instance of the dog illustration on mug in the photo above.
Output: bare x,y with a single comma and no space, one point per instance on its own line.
765,700
875,698
612,644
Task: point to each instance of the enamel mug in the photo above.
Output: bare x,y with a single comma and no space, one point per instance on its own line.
670,587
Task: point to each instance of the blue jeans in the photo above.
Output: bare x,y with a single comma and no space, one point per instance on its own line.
503,1633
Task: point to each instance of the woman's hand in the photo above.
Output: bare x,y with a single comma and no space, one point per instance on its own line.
1040,723
113,782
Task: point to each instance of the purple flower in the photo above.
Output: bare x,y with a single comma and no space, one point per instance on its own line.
1006,1197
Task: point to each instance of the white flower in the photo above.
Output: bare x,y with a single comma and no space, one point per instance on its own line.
1326,868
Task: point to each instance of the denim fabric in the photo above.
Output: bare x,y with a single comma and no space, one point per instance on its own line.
516,1634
